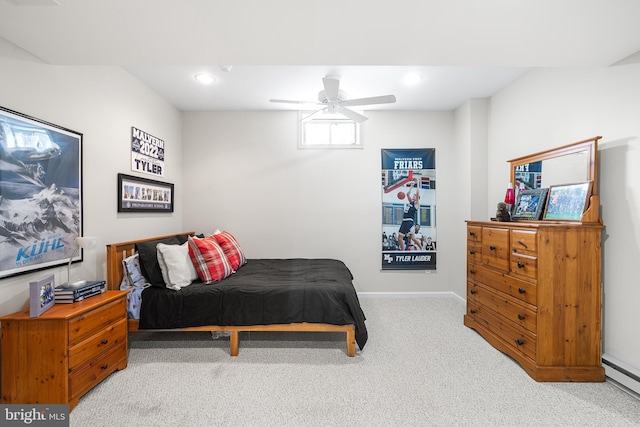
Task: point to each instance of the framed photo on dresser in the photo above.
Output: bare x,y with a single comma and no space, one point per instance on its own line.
41,295
567,202
530,204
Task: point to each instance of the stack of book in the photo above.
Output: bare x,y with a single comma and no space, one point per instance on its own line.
68,295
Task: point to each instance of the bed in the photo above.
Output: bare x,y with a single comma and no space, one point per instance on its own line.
294,295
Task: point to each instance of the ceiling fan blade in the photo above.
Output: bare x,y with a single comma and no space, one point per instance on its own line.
385,99
356,117
310,115
286,101
331,88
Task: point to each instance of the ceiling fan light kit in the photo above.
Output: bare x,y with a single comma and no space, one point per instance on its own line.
335,101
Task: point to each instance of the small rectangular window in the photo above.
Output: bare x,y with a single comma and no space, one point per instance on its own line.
327,131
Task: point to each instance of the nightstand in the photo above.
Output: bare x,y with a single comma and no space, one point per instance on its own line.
58,357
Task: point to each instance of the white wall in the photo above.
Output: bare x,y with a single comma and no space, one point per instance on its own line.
244,173
552,107
102,103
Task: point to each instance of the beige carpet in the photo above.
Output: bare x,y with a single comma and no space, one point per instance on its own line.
421,367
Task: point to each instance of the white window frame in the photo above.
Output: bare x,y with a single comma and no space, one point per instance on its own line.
328,119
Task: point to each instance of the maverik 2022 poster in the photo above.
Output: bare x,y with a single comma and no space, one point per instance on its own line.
409,209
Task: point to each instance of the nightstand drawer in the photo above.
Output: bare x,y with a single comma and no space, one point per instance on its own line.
96,320
83,380
96,344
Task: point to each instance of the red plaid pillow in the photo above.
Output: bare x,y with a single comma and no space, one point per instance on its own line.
209,260
231,249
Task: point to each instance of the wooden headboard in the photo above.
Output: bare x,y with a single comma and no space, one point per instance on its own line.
116,252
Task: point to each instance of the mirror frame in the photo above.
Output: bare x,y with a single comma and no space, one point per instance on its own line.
591,147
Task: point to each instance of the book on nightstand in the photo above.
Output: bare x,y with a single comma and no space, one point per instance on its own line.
71,295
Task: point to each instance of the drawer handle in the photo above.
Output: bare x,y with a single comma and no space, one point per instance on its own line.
472,311
520,264
472,291
519,341
493,248
472,271
472,233
104,341
103,367
472,252
520,316
521,290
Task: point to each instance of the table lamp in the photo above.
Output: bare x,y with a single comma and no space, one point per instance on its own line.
83,242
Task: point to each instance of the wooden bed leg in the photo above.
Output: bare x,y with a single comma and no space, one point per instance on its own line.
233,343
351,343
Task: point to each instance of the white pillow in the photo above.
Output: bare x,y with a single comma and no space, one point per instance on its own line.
176,266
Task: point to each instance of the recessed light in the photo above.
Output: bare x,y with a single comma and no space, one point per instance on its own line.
412,79
206,79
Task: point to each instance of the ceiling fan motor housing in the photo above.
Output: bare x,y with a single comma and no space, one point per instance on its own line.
322,97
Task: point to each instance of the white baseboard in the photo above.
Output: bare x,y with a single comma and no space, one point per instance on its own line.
411,295
623,375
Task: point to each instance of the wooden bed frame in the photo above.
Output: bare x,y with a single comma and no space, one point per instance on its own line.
116,252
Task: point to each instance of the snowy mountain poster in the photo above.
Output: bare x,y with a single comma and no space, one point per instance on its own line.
409,209
40,193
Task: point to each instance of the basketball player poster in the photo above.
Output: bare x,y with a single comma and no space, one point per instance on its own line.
409,238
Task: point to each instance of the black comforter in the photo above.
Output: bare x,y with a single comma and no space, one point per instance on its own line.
262,292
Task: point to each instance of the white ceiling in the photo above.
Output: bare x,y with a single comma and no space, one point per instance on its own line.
282,48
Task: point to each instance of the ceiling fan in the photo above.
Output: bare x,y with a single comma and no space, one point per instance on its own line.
335,101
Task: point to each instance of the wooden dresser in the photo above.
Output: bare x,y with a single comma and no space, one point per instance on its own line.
534,293
57,357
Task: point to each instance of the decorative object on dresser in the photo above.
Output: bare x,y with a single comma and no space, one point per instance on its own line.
41,295
58,357
502,213
534,288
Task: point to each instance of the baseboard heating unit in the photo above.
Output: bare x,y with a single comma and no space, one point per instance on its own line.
622,374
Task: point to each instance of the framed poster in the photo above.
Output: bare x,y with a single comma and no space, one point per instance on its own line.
567,202
42,295
408,209
41,193
147,153
137,194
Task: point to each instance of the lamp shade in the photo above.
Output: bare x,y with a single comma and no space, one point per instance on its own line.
87,242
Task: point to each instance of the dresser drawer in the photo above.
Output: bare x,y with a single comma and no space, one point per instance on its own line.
495,247
474,234
524,242
474,252
96,320
86,378
515,336
524,291
94,345
525,266
504,305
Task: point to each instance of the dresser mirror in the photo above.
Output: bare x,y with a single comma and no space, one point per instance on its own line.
568,164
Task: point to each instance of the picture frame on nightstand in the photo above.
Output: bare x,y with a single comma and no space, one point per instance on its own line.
42,295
